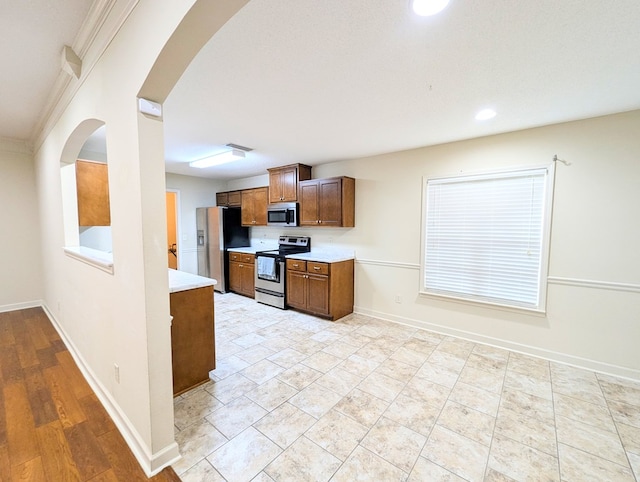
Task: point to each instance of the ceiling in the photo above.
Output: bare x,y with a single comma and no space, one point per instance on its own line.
33,34
315,82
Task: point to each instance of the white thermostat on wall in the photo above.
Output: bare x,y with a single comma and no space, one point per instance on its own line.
149,107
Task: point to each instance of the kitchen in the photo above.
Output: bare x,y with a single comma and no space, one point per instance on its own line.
388,204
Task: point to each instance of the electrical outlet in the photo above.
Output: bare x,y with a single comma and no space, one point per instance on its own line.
116,372
398,299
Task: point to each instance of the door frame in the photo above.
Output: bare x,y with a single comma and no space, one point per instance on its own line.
178,224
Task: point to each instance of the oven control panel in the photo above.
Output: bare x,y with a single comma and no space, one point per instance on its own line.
298,241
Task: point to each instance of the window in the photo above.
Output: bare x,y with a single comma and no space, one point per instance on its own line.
486,237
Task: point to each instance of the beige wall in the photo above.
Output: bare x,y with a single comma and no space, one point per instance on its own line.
593,304
21,277
122,317
593,312
194,192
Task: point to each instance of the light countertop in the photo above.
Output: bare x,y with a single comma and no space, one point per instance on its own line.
183,281
249,249
325,255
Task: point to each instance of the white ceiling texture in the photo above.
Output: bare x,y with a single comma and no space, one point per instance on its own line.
319,81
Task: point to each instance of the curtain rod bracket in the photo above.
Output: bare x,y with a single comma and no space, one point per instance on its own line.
556,159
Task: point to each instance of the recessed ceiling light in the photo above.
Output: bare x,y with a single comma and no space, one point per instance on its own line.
485,114
425,8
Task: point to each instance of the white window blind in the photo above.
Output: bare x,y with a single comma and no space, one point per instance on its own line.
484,237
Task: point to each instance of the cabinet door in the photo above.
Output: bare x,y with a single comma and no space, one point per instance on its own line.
246,211
235,277
235,198
309,203
289,183
296,289
330,202
248,283
222,199
92,184
275,186
254,207
318,293
260,201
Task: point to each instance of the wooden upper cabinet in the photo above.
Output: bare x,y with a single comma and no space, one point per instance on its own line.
328,202
254,206
283,182
222,199
229,198
92,185
235,198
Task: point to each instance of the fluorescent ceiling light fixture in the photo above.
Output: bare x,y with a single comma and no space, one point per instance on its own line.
426,8
485,114
217,159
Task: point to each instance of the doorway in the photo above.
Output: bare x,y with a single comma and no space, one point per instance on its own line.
172,229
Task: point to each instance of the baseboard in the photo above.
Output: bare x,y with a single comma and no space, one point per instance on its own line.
20,306
151,463
588,364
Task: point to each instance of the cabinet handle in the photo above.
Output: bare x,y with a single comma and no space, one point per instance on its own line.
241,266
317,268
296,265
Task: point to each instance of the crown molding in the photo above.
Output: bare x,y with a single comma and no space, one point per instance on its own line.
104,20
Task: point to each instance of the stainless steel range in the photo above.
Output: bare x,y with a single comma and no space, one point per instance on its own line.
271,272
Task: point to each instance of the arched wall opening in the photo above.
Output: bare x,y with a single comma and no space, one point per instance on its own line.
85,194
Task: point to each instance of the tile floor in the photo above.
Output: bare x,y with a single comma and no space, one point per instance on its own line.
297,398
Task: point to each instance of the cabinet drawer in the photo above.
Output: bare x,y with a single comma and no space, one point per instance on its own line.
248,258
296,265
242,257
318,268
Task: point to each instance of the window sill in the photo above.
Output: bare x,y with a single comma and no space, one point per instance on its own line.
486,304
98,259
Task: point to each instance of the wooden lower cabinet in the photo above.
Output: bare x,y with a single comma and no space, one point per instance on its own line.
241,273
192,337
323,289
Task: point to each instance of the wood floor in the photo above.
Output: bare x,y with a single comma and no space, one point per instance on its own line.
52,426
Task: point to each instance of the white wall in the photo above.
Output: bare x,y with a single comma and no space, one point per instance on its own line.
593,307
21,273
194,192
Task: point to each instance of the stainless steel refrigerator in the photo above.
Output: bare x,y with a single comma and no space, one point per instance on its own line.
218,229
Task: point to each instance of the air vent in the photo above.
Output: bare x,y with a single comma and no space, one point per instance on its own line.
242,148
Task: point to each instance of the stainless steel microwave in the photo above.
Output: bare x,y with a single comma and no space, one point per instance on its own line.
282,214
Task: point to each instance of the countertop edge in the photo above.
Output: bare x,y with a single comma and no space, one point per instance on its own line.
183,281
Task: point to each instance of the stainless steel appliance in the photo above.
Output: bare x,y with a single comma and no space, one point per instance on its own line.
282,214
270,277
218,229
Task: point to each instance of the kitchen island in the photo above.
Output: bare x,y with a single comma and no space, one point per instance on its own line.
192,329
